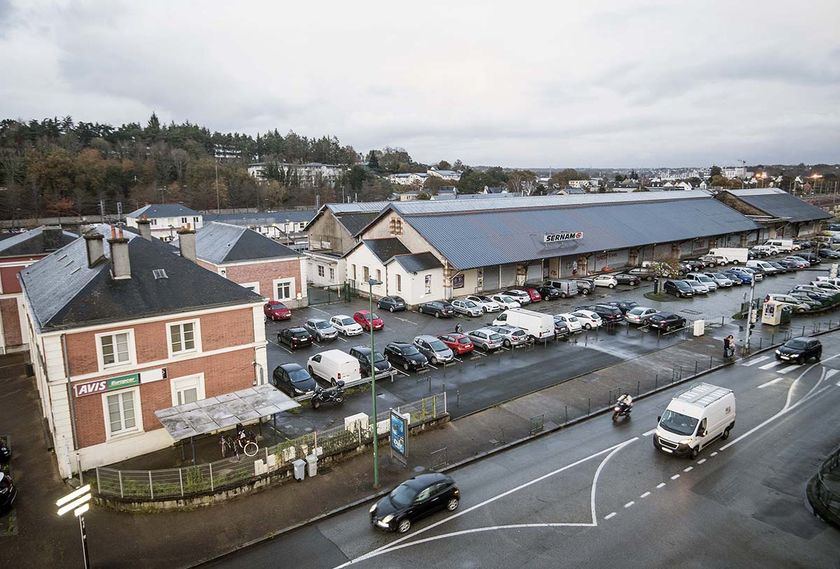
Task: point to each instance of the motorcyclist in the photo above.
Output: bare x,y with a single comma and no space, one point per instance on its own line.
625,401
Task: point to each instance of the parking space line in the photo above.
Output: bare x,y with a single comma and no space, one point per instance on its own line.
674,477
713,454
431,366
627,505
771,382
755,361
660,485
829,373
457,360
343,340
771,365
701,461
788,368
647,434
406,321
401,372
322,312
608,516
686,469
645,495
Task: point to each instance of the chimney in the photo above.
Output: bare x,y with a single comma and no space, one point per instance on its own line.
95,247
186,241
144,225
120,262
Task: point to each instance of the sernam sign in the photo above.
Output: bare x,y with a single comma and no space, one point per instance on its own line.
562,236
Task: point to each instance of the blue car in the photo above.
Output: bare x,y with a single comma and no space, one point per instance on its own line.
742,276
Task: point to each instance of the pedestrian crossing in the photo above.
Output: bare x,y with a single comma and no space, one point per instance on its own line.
754,361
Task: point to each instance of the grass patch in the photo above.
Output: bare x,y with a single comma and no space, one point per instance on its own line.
660,297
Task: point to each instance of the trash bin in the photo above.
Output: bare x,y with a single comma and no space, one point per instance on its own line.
312,463
300,468
786,312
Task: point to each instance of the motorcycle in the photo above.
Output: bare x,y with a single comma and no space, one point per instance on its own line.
333,395
621,410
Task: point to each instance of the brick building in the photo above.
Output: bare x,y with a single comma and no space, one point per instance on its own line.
253,261
18,251
122,327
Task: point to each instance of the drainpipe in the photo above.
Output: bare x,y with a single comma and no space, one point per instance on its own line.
69,392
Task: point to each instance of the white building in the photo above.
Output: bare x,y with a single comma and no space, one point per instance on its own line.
309,175
734,171
166,219
408,178
448,175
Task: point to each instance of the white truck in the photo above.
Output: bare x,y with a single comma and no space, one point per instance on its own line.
539,326
736,255
783,245
694,419
334,366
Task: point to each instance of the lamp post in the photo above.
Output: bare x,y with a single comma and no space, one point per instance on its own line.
371,283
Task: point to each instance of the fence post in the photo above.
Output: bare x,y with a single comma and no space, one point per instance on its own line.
151,486
98,485
710,361
181,480
212,486
589,406
434,407
445,403
695,367
656,381
638,387
567,413
119,473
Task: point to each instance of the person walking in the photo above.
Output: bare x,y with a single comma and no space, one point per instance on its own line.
726,346
458,328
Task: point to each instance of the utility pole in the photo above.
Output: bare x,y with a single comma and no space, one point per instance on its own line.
218,202
745,349
102,210
119,212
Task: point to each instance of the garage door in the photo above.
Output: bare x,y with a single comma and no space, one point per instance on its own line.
508,277
535,273
491,278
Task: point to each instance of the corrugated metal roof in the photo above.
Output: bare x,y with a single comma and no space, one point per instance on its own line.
356,207
225,243
504,235
779,203
163,210
262,217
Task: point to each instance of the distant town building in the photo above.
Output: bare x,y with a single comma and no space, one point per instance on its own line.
448,175
308,175
734,171
165,219
408,178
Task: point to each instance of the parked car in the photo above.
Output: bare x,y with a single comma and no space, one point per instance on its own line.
505,301
346,325
561,329
666,321
800,350
757,274
467,307
512,336
437,308
816,302
812,258
609,314
406,356
367,319
828,253
486,303
588,319
8,492
570,321
628,279
567,287
320,329
714,260
798,262
814,291
334,366
276,310
585,286
294,338
391,303
624,305
797,304
533,294
458,343
738,277
293,380
486,339
550,293
721,280
362,353
519,295
697,286
434,350
414,499
605,280
537,325
699,278
639,315
694,264
646,273
679,289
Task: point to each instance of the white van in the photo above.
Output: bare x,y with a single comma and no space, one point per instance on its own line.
766,267
783,245
733,254
334,366
694,419
566,287
538,325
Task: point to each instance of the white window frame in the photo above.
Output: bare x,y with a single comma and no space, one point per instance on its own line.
332,274
292,290
427,280
321,271
399,282
196,338
132,353
187,382
253,286
138,414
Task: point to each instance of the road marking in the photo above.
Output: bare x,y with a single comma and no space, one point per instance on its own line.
771,382
458,359
771,365
431,366
649,433
406,321
343,340
838,384
610,515
645,495
688,469
660,485
713,454
788,368
830,373
755,361
322,312
628,504
701,461
675,476
401,372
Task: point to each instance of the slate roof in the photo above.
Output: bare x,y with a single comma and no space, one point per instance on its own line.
36,241
779,203
418,262
262,217
64,292
384,249
355,211
490,232
163,210
225,243
355,222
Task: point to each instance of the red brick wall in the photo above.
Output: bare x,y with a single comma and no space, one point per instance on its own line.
11,322
223,373
8,275
266,274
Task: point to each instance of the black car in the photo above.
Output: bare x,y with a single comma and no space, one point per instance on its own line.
362,353
827,253
812,258
391,303
549,292
695,264
414,499
585,286
294,337
405,355
666,321
437,308
561,329
628,279
800,350
609,314
8,492
293,380
624,306
678,288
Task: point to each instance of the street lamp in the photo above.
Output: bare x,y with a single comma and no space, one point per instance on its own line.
371,283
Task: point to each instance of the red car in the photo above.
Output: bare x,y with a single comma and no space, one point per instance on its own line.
534,294
365,317
458,343
276,310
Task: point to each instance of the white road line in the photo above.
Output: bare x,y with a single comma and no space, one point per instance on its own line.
838,384
401,372
771,365
319,310
628,504
645,495
688,469
771,382
701,461
343,340
830,373
649,433
788,368
660,485
457,360
675,476
754,361
406,321
713,454
431,366
610,515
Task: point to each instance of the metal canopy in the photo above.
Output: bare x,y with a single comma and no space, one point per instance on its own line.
218,413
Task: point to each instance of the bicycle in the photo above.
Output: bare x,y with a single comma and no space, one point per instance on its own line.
246,441
228,443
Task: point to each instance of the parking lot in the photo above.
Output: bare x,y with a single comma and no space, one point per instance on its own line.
479,380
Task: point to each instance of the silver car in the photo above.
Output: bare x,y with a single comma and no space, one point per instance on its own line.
435,350
467,307
486,339
720,279
639,315
512,336
320,329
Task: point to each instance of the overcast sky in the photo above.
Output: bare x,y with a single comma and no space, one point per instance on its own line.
610,83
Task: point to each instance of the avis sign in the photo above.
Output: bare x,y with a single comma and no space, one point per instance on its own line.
562,236
103,385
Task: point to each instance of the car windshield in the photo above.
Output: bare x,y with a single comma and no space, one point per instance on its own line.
496,337
678,423
796,344
721,276
464,340
347,321
682,284
438,346
299,376
377,357
468,304
322,325
371,316
637,311
300,333
409,351
704,279
277,305
506,299
402,495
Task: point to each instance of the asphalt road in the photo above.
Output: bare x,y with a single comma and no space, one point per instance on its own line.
599,494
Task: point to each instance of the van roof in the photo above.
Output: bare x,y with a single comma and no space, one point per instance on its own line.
703,394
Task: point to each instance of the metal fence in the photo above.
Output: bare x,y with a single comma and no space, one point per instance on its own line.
238,470
829,498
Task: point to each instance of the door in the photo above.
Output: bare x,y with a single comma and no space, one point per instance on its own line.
535,273
491,278
507,278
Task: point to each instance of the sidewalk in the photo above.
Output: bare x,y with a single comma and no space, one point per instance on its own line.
180,539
